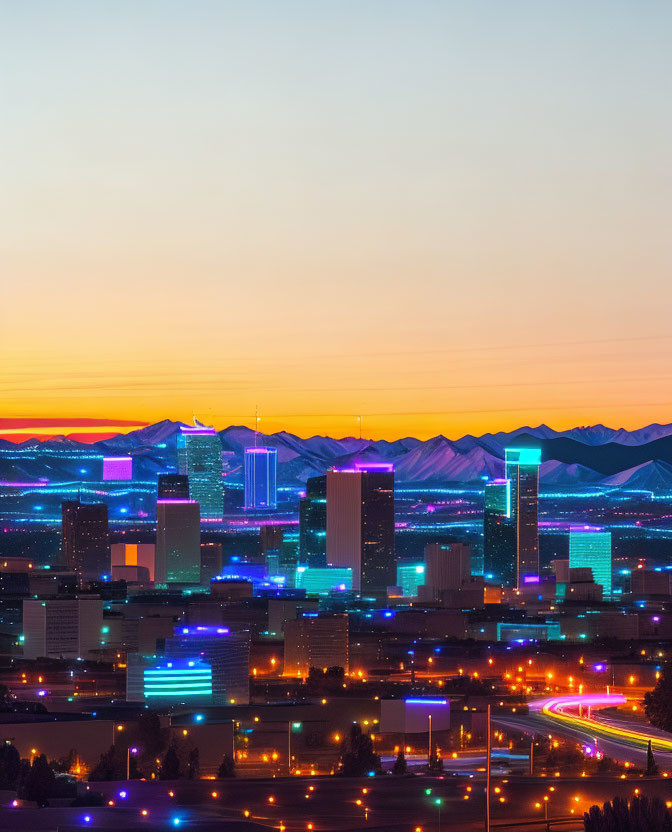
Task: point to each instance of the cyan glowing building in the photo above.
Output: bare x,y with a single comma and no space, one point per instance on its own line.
590,546
261,475
522,470
199,457
409,577
499,533
323,580
187,681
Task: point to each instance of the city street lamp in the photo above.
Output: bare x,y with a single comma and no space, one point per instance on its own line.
129,751
438,802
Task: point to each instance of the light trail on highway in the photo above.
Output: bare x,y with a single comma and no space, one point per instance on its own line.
556,709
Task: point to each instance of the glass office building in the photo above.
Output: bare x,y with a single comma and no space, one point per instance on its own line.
199,457
590,546
522,470
261,474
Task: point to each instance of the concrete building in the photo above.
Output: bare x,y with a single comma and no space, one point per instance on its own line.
85,539
316,640
132,554
62,627
360,524
447,567
178,542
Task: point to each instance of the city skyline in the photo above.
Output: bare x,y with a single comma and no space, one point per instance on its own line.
441,218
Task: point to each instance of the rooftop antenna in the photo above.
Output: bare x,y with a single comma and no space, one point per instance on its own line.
359,420
256,423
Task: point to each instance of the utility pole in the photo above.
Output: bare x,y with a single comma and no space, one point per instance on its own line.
429,750
532,758
487,775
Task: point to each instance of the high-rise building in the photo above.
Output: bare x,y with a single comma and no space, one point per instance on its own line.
261,474
522,470
173,487
590,546
447,567
499,534
168,681
318,640
62,628
211,561
409,577
133,554
360,524
117,468
313,523
321,580
178,542
86,543
199,456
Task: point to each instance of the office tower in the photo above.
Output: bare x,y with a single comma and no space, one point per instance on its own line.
261,473
317,640
409,577
117,468
447,566
211,561
321,580
227,653
313,523
66,628
199,456
132,554
499,534
360,524
178,542
173,487
86,544
522,469
590,546
168,681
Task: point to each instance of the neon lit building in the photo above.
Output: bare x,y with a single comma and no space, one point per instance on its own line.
522,470
261,474
313,523
322,580
590,547
199,457
360,524
409,577
85,541
178,542
169,681
117,468
499,537
132,554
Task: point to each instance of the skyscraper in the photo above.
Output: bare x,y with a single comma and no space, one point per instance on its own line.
313,523
173,487
522,469
261,472
360,524
499,534
86,543
178,542
590,546
199,456
447,566
316,640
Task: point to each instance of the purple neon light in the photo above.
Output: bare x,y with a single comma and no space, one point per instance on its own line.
260,450
366,467
167,501
199,429
531,579
586,528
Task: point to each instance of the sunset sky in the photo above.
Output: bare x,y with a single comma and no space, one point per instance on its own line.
443,217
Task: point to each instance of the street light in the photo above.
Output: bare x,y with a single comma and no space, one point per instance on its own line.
129,751
438,802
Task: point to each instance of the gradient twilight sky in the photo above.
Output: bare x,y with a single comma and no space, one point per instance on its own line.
443,216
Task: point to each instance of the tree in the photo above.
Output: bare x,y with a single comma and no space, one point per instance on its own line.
227,767
109,767
620,816
651,765
193,764
152,739
400,766
435,764
357,755
170,768
38,783
10,766
658,702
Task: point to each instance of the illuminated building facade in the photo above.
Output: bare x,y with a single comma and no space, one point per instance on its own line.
590,547
118,468
316,640
178,542
522,470
173,487
168,681
85,539
199,457
261,474
318,580
313,523
133,554
360,524
499,534
409,577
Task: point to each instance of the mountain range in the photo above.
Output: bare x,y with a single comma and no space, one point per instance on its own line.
596,454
